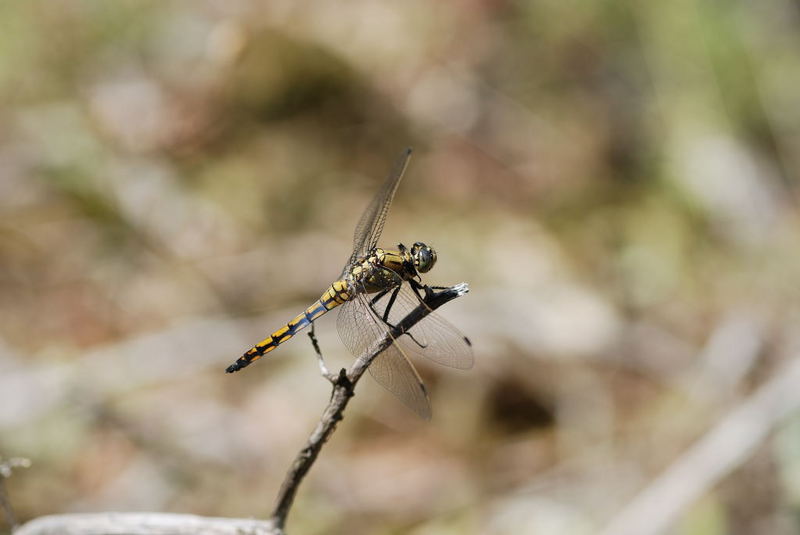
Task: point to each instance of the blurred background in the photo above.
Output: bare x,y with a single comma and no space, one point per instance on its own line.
617,182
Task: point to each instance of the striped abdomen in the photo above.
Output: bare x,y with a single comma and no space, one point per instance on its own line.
334,296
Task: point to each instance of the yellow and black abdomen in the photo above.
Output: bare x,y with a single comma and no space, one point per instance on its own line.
334,296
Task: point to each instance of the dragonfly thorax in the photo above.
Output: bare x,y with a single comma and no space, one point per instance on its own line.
384,268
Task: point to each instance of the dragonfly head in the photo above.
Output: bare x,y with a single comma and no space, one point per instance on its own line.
424,257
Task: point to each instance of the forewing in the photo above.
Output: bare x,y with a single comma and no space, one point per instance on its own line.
432,337
370,226
359,328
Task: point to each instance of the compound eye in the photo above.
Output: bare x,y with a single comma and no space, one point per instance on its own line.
425,259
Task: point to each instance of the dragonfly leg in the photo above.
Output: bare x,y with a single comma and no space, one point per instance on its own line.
390,304
388,309
416,286
379,295
421,345
424,287
323,368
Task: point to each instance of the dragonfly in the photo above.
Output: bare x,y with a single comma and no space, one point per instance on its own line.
377,288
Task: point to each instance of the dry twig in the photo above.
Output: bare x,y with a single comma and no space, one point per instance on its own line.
152,523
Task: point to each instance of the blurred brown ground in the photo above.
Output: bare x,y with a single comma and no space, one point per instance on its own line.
617,181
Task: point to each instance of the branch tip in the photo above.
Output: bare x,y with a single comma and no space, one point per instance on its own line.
461,289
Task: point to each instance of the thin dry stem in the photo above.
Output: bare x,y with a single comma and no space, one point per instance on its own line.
343,386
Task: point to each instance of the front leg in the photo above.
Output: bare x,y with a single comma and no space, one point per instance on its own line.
420,286
416,286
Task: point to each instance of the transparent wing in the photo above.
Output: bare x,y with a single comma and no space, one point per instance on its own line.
359,328
370,226
432,337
